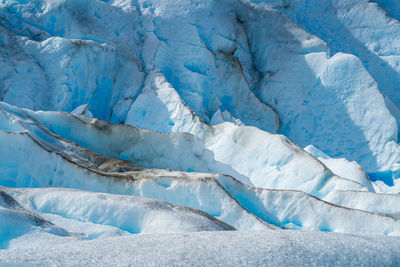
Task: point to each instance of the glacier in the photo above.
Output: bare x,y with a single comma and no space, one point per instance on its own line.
213,132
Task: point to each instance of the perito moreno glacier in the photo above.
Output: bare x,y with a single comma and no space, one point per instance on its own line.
199,132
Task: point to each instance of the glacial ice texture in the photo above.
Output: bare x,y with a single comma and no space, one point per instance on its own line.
123,122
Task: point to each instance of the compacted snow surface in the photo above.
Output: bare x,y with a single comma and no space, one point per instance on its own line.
213,132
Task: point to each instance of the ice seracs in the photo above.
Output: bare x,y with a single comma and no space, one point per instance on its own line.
35,156
131,125
294,76
342,167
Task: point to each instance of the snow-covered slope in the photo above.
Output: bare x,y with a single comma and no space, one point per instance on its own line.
175,116
279,248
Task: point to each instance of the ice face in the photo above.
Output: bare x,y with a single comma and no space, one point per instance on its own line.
133,62
187,116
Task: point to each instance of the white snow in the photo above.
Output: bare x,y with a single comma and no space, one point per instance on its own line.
280,248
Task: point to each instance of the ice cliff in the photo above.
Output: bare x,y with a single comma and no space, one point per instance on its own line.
120,118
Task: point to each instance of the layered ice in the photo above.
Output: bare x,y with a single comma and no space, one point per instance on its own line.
253,156
125,213
36,157
132,119
229,67
342,167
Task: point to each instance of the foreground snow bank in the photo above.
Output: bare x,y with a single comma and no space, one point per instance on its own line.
277,248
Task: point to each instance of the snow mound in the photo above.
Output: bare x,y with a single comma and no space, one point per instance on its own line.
17,221
126,213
